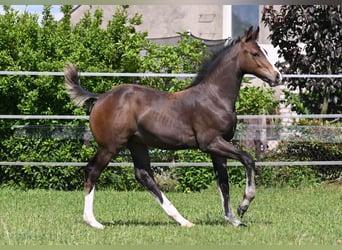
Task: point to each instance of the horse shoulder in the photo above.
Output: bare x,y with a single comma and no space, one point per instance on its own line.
210,123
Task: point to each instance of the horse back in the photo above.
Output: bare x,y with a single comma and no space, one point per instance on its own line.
156,118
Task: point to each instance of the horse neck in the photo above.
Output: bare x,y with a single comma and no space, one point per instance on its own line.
225,80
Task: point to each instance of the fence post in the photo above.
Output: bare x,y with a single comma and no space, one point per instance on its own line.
257,144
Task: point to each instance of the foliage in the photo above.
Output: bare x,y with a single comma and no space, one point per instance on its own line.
255,100
192,179
25,177
309,148
285,176
26,44
323,143
318,28
186,57
119,178
294,101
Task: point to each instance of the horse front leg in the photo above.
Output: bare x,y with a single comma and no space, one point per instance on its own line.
221,147
220,169
144,175
250,191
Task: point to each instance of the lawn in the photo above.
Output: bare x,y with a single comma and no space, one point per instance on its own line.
280,216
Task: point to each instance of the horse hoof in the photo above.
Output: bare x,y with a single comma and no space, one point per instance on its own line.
189,224
95,224
236,223
241,211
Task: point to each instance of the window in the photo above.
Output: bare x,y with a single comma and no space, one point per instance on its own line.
243,16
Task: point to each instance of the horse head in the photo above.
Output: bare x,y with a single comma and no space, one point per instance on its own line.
254,60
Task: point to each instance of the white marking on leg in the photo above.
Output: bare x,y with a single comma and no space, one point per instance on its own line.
229,215
88,215
248,197
172,212
250,190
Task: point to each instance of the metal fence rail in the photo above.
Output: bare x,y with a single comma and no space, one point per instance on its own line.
151,74
175,164
85,117
182,75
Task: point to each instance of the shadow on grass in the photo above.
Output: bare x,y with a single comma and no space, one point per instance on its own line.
203,222
161,223
136,223
222,222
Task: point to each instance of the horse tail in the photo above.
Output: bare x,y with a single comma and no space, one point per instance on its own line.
72,84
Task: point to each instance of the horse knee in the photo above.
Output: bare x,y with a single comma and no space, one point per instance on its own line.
247,160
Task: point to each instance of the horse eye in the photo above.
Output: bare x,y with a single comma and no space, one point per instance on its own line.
255,54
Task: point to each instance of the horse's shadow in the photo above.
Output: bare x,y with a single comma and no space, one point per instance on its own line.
135,223
203,222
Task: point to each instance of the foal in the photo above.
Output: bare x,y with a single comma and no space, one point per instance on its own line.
200,116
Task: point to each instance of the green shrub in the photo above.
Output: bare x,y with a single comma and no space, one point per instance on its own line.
192,179
320,143
43,177
166,178
48,47
255,100
311,151
291,176
41,150
118,178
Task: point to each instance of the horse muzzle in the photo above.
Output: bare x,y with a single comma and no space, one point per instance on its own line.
274,79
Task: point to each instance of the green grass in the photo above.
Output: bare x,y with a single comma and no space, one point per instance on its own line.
302,216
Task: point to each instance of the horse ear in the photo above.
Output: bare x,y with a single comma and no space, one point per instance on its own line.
248,35
255,34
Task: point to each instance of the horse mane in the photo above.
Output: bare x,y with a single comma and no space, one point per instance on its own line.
210,64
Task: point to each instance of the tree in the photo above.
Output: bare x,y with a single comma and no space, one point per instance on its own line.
26,44
318,28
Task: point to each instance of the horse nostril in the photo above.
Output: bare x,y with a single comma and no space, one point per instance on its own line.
278,77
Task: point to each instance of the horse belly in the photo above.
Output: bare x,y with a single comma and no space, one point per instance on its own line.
163,131
163,142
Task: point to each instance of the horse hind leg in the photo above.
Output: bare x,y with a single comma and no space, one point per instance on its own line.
92,172
144,175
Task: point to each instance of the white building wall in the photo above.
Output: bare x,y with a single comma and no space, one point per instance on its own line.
204,21
211,22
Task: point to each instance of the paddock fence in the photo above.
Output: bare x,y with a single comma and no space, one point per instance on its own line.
263,131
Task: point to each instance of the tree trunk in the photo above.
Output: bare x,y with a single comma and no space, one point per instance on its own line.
325,105
326,96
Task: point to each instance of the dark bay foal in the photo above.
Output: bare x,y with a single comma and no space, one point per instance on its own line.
200,116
